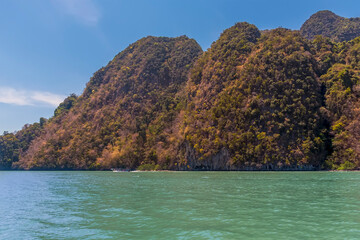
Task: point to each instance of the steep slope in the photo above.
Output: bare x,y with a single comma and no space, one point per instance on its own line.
330,25
267,112
343,107
270,100
108,125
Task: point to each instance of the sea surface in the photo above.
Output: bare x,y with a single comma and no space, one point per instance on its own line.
179,205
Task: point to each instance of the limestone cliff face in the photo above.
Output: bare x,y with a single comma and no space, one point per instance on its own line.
222,162
217,162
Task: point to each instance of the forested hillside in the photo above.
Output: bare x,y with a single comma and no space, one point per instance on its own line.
267,114
328,24
271,100
124,114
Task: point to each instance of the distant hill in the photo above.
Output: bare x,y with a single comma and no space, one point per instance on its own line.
255,100
328,24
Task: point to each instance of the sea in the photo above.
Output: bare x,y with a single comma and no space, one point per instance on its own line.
179,205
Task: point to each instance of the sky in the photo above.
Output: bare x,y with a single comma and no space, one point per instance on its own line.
50,48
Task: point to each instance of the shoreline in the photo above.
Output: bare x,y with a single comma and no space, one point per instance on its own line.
108,170
248,171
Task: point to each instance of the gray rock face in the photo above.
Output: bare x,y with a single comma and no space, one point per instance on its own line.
221,162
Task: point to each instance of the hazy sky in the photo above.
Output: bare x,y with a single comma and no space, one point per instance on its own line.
50,48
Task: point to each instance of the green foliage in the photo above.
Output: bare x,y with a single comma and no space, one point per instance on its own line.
268,116
347,166
66,105
124,116
270,101
342,100
149,167
12,145
9,150
330,25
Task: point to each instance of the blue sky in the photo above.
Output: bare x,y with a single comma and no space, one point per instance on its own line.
50,48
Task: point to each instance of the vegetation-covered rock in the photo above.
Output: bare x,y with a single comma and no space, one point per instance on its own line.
13,145
122,118
268,115
328,24
343,105
270,100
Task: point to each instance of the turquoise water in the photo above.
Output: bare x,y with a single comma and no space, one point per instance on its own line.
180,205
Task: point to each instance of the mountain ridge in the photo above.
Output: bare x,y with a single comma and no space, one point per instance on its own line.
255,100
328,24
